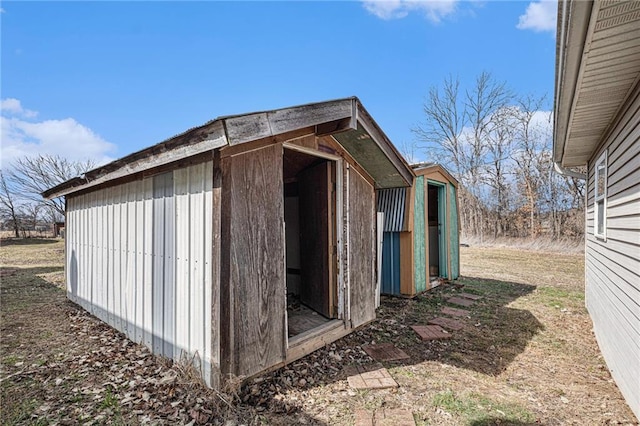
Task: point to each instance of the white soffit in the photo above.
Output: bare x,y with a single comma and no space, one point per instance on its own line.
609,71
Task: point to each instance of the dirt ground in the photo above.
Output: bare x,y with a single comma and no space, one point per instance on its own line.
526,356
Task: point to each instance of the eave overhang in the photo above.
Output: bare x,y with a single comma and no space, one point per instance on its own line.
344,119
597,69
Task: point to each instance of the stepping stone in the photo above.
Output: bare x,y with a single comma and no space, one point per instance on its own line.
396,417
363,418
385,352
449,323
470,296
7,272
376,379
431,332
455,312
383,417
461,301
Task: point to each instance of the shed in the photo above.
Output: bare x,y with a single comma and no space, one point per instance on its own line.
597,128
421,231
245,243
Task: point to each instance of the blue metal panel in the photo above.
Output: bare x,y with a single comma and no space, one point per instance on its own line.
391,263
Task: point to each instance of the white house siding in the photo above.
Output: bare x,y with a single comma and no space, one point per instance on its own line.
613,265
139,258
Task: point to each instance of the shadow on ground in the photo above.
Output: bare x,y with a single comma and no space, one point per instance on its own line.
494,334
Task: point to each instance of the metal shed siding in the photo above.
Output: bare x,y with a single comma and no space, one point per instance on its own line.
419,244
392,202
138,257
391,263
613,265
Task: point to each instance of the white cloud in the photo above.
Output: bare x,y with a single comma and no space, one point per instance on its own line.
22,136
540,16
12,106
434,10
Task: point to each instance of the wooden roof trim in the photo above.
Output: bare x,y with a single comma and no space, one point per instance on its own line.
193,142
249,127
324,118
422,171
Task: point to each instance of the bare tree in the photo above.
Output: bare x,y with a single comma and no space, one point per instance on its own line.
456,132
9,205
443,127
498,165
531,156
34,175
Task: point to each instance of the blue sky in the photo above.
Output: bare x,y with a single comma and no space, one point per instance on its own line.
104,79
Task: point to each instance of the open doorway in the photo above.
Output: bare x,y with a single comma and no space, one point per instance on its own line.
435,216
310,209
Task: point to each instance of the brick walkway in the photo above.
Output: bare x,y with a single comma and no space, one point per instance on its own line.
455,312
431,332
384,417
385,352
449,323
377,379
461,301
470,296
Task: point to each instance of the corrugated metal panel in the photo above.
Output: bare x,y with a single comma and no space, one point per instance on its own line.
139,259
392,203
391,263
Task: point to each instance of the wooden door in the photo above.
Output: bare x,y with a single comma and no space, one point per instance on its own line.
314,187
361,249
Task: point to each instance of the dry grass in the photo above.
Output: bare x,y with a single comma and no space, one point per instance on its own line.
526,355
545,244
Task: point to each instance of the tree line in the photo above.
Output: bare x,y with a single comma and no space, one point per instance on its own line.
498,145
22,208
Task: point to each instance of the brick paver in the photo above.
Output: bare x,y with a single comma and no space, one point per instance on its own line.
376,379
431,332
383,417
363,418
461,301
470,296
385,352
455,312
449,323
395,417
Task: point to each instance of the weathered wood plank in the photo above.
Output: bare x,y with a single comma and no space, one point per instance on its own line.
256,275
246,128
215,327
361,249
193,142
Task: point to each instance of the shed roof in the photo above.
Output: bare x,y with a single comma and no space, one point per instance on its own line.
345,119
421,169
597,68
